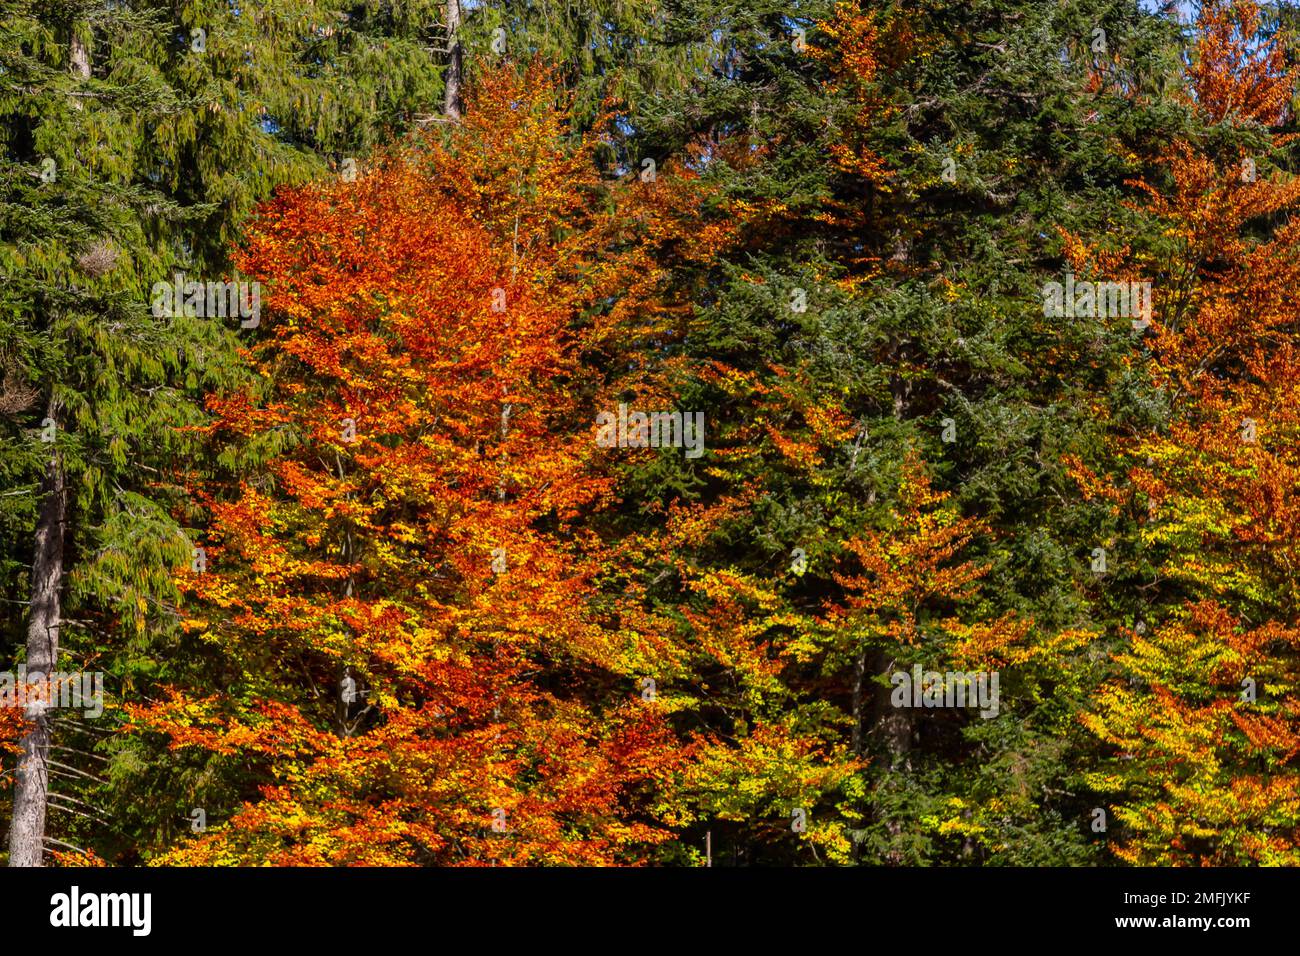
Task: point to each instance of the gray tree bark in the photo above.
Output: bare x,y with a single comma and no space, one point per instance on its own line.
79,57
27,831
455,68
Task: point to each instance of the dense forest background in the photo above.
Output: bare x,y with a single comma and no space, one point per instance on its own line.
370,580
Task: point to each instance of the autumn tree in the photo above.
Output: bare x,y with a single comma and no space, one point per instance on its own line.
417,628
1203,717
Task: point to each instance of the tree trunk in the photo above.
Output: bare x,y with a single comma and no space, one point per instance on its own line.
27,832
895,728
859,682
452,78
79,57
893,724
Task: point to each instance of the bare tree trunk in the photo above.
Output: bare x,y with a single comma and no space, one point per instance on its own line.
454,75
27,833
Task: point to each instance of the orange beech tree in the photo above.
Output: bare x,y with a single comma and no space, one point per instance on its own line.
420,653
1205,715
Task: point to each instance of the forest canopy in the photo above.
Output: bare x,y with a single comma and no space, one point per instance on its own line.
649,432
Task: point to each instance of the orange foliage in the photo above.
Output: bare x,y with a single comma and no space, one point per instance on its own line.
421,539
